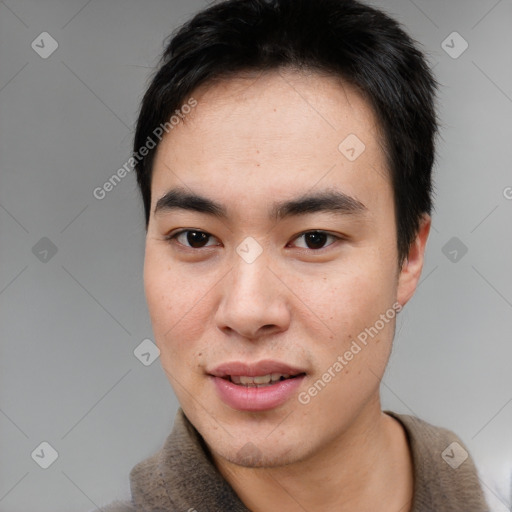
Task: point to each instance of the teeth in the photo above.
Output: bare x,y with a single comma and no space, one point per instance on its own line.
263,379
260,380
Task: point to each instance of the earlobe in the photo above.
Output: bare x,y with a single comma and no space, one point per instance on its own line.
410,272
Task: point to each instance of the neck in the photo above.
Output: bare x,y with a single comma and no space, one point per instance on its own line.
367,467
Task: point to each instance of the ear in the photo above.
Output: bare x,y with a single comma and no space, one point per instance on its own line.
410,272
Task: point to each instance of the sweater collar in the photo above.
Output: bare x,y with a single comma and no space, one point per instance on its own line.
181,476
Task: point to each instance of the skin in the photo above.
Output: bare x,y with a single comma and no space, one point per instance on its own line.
250,141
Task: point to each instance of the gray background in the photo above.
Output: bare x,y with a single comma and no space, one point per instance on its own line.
70,321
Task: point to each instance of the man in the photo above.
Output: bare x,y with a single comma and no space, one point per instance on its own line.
284,152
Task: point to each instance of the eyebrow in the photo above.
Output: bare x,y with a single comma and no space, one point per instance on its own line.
331,201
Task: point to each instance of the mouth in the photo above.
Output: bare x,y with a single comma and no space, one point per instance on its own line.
260,381
256,387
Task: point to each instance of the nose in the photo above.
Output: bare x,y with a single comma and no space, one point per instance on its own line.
253,302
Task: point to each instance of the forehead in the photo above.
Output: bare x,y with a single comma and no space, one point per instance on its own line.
273,132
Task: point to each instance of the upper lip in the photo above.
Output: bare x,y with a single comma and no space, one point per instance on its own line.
265,367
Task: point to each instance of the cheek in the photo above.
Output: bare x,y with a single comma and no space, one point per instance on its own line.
355,356
177,305
350,298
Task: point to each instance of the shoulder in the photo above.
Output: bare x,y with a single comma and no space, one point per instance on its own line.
444,473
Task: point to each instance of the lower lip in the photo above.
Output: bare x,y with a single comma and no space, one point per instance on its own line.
244,398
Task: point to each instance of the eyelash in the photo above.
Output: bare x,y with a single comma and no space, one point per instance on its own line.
172,238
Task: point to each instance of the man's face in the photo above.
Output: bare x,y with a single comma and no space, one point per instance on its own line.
254,292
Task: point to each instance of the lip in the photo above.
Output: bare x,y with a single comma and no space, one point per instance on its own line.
254,399
264,367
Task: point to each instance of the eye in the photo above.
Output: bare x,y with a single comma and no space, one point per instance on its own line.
192,238
316,239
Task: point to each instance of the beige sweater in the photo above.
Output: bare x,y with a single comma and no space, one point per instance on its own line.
181,477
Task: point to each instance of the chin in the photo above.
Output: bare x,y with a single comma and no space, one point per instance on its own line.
255,446
253,455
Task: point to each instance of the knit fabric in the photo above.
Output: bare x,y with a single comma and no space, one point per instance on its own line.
182,478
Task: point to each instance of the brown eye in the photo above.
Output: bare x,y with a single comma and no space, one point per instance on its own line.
192,238
316,239
197,239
